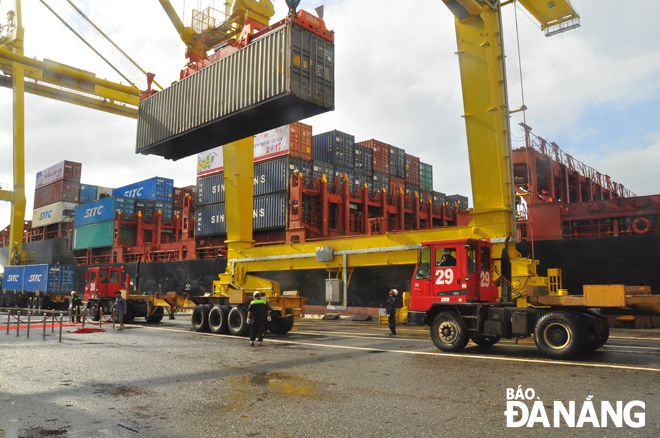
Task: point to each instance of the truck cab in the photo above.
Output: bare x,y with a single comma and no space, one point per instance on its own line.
102,283
452,271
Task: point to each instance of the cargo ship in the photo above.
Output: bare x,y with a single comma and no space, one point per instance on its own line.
311,187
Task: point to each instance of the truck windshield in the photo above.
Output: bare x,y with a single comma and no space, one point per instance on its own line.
424,264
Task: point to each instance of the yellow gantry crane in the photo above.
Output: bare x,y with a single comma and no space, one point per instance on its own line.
56,81
486,114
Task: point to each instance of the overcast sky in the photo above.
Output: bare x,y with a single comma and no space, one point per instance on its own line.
595,90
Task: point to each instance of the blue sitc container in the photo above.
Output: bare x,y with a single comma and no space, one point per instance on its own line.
13,278
87,193
48,278
156,188
103,210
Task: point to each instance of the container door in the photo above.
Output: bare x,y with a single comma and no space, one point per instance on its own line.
102,284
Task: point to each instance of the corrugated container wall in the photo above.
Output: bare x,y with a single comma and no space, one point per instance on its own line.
164,207
48,278
103,210
364,160
291,78
156,188
93,236
381,181
438,200
302,166
66,170
269,212
412,170
87,193
270,177
381,155
14,277
300,141
211,189
334,147
53,214
396,184
61,191
397,162
320,168
411,189
145,207
461,200
345,172
424,199
181,192
361,180
426,177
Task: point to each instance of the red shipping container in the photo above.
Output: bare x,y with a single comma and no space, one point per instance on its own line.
61,191
381,155
190,191
412,170
396,184
65,170
300,141
177,198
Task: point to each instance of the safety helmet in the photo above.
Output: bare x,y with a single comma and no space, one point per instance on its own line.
396,292
256,295
73,292
446,251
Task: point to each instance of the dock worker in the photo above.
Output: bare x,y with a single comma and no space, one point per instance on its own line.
447,258
76,305
257,315
390,311
120,309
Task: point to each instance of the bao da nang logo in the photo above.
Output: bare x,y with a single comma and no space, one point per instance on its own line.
525,409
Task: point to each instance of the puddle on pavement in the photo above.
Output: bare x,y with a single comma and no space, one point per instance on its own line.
245,391
115,390
38,433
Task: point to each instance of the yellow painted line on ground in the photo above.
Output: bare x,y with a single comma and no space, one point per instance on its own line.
426,353
634,339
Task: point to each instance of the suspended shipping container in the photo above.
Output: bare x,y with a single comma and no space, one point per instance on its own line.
87,193
397,162
291,78
364,160
61,191
53,214
103,210
156,188
412,170
66,170
381,155
334,147
426,177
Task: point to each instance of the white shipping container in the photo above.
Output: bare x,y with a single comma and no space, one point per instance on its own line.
53,213
106,190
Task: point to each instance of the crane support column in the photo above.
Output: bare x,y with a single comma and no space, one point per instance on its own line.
239,183
17,196
483,78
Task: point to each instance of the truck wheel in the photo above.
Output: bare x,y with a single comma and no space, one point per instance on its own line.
94,311
279,325
130,314
485,341
218,320
9,300
200,318
560,335
156,315
237,321
448,332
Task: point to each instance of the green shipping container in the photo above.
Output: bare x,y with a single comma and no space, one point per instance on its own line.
101,235
426,177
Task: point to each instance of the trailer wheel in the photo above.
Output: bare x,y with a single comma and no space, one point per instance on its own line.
560,335
9,300
200,318
156,315
218,320
280,325
485,341
130,314
448,332
94,311
600,340
237,321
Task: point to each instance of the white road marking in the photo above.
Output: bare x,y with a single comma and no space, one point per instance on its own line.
427,353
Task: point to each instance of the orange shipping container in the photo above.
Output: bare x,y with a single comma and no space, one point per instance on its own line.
300,141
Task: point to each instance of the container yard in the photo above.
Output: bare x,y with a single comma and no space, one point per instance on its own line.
335,237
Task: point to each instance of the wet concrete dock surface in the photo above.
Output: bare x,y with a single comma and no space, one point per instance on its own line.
325,378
